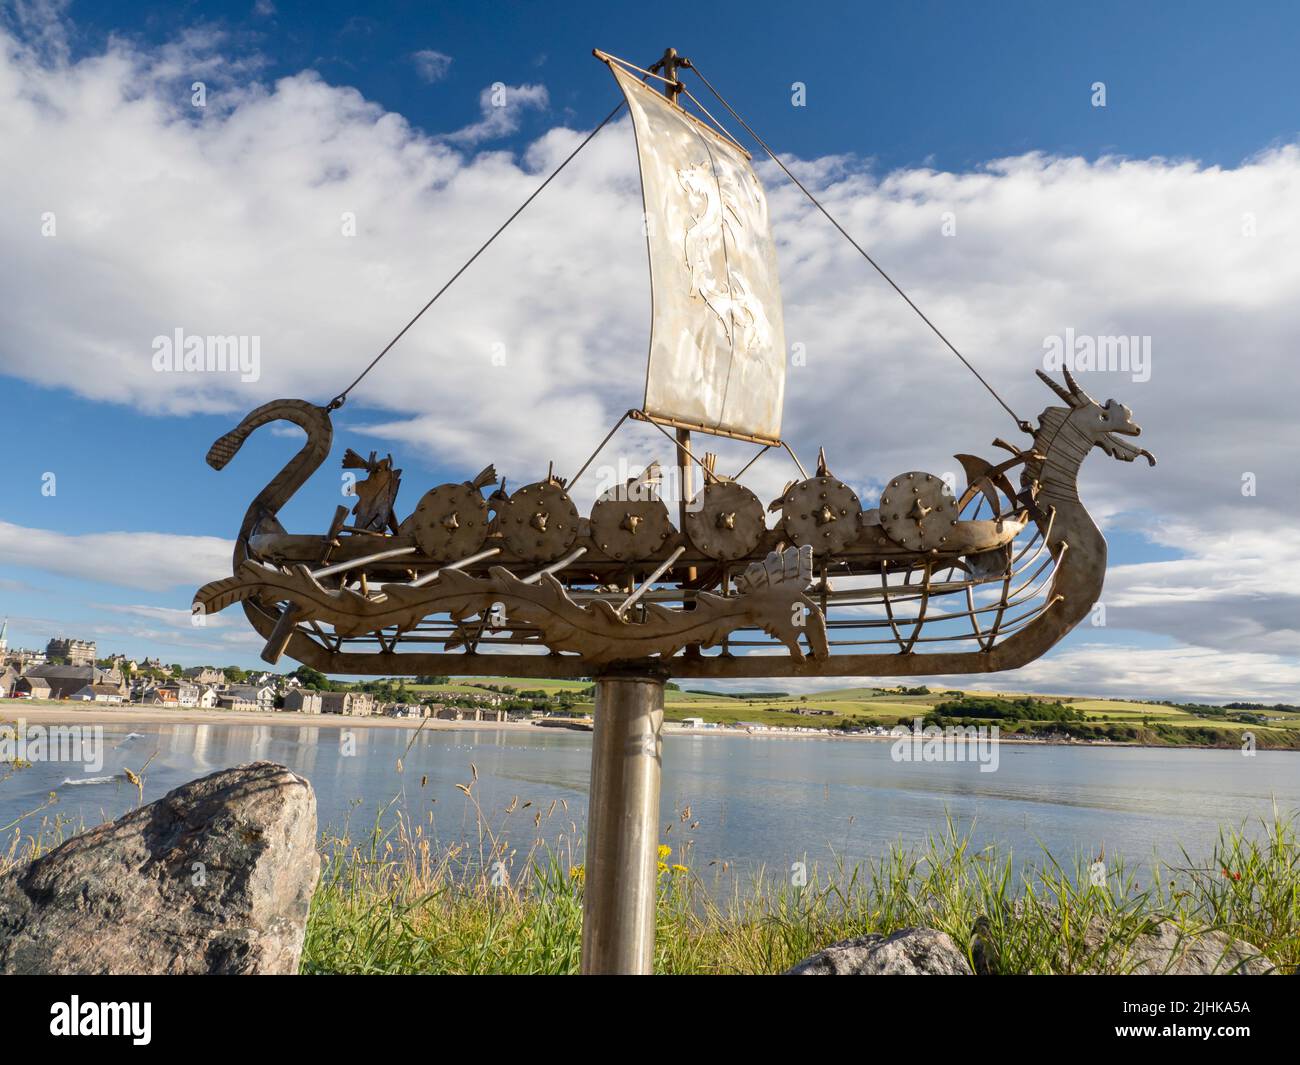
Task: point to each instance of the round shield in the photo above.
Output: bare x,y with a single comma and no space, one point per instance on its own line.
451,522
917,510
725,520
539,522
822,513
630,528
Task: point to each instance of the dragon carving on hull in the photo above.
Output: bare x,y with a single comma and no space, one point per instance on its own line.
384,590
597,631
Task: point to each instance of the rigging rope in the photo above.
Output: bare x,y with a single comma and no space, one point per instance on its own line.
339,400
1020,422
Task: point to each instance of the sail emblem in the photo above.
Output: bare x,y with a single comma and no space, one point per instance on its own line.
715,220
717,340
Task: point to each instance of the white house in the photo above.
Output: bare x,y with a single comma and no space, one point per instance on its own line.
261,697
187,694
98,693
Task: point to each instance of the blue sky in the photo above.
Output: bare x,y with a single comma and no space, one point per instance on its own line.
945,84
916,92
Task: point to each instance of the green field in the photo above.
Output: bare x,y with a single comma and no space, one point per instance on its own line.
883,706
1115,719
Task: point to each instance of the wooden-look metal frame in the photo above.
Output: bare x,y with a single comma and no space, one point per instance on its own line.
875,609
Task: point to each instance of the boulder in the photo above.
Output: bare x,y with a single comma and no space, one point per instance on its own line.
910,952
1164,948
215,877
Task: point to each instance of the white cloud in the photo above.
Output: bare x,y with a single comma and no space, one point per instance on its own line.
145,560
1096,670
1200,674
172,627
502,107
1236,591
230,221
430,65
41,24
172,617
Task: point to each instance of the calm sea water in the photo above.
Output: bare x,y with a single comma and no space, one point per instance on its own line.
758,802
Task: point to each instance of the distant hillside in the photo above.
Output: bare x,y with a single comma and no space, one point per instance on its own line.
1115,719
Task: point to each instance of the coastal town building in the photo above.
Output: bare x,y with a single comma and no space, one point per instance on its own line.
418,710
99,693
76,652
179,693
303,701
204,675
468,713
63,680
33,687
21,658
67,670
350,704
263,695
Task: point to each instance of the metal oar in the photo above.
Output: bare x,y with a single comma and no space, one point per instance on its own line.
429,578
645,584
554,566
364,560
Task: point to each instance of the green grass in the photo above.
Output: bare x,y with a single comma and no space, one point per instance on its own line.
398,905
396,900
870,705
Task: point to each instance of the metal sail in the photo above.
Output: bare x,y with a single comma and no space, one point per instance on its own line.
717,343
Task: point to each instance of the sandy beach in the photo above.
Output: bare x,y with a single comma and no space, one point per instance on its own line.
106,714
45,712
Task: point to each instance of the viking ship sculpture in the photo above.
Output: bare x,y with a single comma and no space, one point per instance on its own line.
478,579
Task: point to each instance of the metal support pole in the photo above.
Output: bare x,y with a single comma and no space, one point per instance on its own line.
687,486
618,907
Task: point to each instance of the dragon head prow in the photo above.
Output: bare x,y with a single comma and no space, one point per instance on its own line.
1106,424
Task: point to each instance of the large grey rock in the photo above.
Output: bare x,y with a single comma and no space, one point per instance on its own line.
910,952
215,877
1163,948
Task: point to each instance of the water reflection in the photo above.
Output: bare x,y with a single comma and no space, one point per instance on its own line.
752,802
